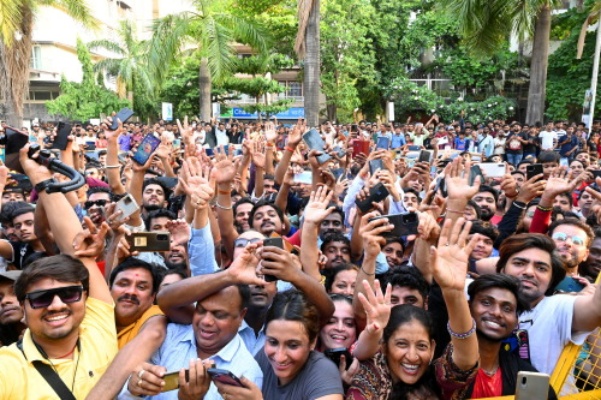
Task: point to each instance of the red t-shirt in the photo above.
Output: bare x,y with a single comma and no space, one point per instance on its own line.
487,386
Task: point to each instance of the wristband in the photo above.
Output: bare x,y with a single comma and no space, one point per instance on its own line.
545,209
222,207
269,145
461,336
44,185
520,205
290,149
224,192
454,211
366,273
112,166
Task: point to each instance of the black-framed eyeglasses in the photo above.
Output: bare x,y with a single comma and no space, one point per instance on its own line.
97,203
243,242
43,298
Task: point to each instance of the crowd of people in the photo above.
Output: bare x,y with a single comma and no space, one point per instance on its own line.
245,260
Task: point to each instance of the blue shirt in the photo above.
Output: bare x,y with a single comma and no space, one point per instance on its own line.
397,141
253,343
179,348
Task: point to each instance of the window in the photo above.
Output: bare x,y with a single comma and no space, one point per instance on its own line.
294,89
43,95
36,58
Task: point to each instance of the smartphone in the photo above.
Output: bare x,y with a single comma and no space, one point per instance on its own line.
532,385
569,285
475,171
414,148
315,142
146,148
441,185
15,141
177,143
425,156
340,152
404,224
533,170
172,380
360,147
375,165
275,242
224,376
596,173
209,152
383,143
492,170
123,115
63,130
149,241
127,205
334,355
338,172
354,128
376,194
305,177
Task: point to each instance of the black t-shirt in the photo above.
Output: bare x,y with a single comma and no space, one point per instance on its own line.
20,252
512,145
533,140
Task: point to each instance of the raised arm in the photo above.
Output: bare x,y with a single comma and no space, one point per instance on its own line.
224,172
294,138
113,167
449,265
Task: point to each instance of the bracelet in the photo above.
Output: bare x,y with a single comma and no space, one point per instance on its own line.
112,166
520,205
290,149
366,273
454,211
222,207
268,145
44,185
462,336
224,192
545,209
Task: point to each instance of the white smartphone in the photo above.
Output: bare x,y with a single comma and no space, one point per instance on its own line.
127,205
532,385
492,170
305,177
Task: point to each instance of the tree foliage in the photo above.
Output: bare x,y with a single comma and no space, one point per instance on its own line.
85,100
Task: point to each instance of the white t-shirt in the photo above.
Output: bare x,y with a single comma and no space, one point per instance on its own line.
547,138
222,139
549,327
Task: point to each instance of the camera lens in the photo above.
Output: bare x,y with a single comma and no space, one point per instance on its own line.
162,237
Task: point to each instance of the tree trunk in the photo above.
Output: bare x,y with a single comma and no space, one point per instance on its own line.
311,83
538,66
332,112
204,82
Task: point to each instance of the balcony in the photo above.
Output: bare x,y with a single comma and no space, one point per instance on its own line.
247,100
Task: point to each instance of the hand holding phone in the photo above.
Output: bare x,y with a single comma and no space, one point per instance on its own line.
123,115
275,242
224,376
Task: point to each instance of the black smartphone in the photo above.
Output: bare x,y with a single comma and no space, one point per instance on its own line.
63,130
209,152
123,115
441,184
383,143
315,142
376,194
334,355
533,170
149,241
224,376
596,173
146,148
375,165
275,242
569,285
404,224
425,156
475,171
354,128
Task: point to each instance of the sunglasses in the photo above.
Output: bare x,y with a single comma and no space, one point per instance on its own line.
562,237
242,242
43,298
98,203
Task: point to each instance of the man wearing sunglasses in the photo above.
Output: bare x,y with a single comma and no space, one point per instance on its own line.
98,199
71,336
572,238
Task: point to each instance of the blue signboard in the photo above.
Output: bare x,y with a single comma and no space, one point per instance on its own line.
291,113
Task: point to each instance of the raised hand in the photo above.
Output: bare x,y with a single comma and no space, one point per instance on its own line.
270,133
90,242
198,183
317,209
371,232
560,181
186,131
376,305
225,169
449,260
258,154
244,267
457,175
179,230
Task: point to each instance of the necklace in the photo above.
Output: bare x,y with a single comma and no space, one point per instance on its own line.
490,373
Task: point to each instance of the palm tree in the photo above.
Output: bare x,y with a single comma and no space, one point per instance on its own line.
16,26
485,25
307,48
211,30
131,65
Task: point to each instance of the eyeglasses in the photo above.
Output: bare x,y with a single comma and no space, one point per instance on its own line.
562,237
243,242
97,203
43,298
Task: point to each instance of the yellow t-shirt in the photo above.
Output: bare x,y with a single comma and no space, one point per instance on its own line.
129,332
98,346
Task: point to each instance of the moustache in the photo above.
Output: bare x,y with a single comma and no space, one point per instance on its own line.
127,297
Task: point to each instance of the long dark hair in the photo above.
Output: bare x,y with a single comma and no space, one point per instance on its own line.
293,305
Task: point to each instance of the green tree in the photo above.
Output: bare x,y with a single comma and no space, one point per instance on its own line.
130,67
347,55
486,26
260,85
212,31
16,26
85,100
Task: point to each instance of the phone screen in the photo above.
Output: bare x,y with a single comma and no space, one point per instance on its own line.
146,148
